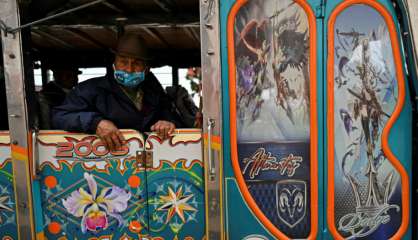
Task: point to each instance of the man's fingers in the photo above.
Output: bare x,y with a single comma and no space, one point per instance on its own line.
103,140
171,129
163,128
116,142
110,144
158,129
164,131
121,138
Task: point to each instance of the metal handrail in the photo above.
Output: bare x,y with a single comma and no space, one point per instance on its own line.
7,29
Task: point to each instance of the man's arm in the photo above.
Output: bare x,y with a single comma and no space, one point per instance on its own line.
77,113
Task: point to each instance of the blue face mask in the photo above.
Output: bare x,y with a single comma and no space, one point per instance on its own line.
128,79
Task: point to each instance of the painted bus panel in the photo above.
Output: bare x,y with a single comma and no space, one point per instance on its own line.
8,227
150,188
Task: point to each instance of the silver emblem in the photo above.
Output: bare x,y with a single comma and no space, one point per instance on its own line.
291,201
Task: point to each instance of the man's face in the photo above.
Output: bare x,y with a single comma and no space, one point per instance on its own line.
129,64
67,78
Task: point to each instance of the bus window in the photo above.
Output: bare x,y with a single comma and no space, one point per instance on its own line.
87,73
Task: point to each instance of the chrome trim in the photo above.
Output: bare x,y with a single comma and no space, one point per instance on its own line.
212,110
412,15
212,170
18,118
34,154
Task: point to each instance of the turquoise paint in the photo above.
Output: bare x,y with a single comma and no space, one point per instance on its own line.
37,206
322,229
235,229
225,7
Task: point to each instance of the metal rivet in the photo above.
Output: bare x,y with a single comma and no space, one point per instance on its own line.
208,25
15,142
405,33
12,56
210,52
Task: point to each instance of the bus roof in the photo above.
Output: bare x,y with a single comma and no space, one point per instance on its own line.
85,37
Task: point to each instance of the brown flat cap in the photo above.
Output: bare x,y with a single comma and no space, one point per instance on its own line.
132,45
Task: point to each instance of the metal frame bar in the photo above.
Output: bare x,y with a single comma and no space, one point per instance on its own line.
85,37
175,75
155,35
113,7
212,112
412,7
18,119
164,5
18,28
53,38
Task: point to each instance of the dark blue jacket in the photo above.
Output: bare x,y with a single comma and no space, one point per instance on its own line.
102,98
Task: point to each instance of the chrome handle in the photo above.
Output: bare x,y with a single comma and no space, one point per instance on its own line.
212,170
34,165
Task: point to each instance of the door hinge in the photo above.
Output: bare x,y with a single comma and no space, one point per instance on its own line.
144,159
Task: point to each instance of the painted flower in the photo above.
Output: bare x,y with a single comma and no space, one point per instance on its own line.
94,209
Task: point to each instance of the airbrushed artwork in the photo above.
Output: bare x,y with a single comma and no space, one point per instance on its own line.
272,53
367,187
273,110
88,192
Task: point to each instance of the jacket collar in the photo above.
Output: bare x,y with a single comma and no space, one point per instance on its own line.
110,85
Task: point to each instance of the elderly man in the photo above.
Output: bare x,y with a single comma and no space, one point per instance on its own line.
131,97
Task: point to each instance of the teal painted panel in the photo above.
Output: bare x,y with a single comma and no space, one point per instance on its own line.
176,199
8,226
87,192
238,214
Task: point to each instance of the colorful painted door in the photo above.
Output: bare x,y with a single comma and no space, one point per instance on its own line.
318,120
150,189
86,191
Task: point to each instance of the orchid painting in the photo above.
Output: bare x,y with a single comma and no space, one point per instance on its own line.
95,209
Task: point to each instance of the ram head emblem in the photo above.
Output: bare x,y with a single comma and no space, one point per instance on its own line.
291,203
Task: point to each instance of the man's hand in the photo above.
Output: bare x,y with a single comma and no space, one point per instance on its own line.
163,128
110,135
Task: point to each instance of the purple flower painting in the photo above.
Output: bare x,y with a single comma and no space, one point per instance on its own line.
96,209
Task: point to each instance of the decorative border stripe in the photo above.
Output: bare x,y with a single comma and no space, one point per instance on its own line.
19,153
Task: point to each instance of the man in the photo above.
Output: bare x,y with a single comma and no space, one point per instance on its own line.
54,92
131,97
